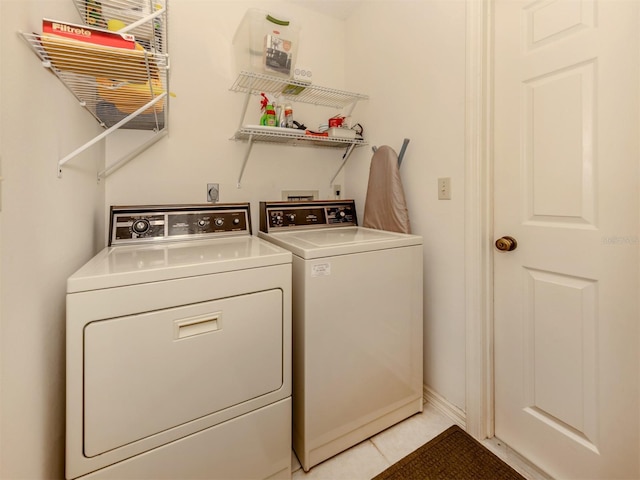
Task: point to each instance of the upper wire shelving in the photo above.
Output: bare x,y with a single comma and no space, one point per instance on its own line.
122,87
254,83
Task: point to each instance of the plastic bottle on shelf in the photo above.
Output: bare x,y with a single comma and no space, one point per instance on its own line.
269,118
288,116
280,116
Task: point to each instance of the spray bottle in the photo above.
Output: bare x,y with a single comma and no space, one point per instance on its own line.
288,116
269,116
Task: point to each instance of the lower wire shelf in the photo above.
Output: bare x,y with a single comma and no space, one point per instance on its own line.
292,137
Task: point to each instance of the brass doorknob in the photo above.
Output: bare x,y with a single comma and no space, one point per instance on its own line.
506,244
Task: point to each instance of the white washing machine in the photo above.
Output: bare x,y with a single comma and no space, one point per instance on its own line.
357,324
178,350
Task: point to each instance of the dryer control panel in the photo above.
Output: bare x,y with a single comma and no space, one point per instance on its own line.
158,223
280,216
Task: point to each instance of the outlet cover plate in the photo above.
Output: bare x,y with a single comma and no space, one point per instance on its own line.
213,192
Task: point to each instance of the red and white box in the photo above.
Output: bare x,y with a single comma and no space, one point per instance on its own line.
82,33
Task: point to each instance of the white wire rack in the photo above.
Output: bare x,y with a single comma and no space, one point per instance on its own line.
253,83
293,137
109,82
122,87
143,18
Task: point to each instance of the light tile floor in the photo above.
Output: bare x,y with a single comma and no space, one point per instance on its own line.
367,459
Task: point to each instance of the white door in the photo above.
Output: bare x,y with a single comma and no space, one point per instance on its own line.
566,187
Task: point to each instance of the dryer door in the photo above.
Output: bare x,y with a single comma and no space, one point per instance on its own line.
150,372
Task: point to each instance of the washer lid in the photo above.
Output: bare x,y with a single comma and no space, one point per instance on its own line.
133,264
327,242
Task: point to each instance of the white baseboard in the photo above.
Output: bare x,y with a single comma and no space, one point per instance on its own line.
438,401
523,466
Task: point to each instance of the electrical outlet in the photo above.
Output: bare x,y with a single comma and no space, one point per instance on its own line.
337,191
213,192
444,188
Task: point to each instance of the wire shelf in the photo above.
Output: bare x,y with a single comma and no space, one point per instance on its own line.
115,65
254,83
109,82
292,137
143,18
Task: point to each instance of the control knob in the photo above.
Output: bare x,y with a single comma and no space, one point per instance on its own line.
341,216
276,219
291,217
141,226
201,222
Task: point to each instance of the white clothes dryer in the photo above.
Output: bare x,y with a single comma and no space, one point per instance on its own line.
178,350
357,324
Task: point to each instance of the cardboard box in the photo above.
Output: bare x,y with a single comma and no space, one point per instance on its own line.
342,133
96,52
82,33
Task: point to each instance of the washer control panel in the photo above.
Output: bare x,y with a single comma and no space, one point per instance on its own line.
158,223
281,216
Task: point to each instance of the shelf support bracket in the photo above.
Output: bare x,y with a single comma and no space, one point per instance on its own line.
349,111
131,155
345,157
244,162
107,132
143,20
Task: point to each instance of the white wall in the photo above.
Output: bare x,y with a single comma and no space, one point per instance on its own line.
50,226
1,136
205,114
412,66
409,56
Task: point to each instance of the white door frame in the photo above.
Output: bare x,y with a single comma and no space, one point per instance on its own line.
478,222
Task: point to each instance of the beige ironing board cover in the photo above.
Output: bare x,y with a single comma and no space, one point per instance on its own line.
385,207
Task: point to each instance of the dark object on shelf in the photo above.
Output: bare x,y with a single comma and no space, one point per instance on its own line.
110,115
